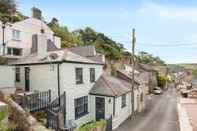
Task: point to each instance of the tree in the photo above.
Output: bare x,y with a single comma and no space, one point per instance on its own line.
147,58
7,10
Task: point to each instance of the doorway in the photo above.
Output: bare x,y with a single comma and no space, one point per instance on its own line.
27,80
100,108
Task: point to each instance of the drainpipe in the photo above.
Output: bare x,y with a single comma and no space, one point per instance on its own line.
58,81
3,39
114,107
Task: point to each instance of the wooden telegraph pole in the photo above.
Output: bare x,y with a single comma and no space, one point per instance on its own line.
133,68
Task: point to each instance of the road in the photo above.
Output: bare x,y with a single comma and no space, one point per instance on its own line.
160,115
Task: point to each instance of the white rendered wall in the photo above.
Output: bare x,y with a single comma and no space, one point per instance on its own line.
7,77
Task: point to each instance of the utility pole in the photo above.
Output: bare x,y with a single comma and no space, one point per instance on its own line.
133,68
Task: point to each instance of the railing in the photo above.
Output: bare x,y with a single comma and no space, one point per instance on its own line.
54,111
36,101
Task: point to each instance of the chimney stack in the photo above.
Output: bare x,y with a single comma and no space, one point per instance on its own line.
36,13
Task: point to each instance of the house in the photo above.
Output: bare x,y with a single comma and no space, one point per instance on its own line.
111,97
60,71
152,75
140,93
20,38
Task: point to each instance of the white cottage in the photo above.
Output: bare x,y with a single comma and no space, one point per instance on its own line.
111,97
20,38
59,71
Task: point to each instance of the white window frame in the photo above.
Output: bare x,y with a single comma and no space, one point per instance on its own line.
16,35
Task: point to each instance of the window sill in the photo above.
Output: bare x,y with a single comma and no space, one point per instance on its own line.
82,115
80,83
16,40
123,107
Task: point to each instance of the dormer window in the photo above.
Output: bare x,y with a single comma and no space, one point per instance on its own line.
16,34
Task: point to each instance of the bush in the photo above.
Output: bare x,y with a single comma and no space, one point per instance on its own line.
97,126
4,125
161,80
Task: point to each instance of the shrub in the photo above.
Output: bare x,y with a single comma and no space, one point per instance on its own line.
97,126
162,80
4,125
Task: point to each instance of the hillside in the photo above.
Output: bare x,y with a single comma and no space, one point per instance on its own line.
111,49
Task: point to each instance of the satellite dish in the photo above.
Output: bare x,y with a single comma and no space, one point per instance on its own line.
53,56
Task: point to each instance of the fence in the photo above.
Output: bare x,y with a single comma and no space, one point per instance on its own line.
56,113
36,101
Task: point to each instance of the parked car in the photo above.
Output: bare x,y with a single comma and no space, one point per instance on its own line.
157,91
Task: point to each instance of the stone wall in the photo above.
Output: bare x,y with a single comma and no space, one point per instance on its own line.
23,120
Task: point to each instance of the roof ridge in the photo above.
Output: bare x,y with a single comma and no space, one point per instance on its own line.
109,85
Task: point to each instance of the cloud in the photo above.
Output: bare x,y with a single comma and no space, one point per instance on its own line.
171,12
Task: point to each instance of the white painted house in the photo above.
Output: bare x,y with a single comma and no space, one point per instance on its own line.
20,38
61,70
111,97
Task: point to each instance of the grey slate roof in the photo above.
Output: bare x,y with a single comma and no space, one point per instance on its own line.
85,51
64,55
108,85
129,76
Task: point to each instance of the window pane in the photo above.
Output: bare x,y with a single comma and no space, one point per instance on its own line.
81,106
17,74
16,34
123,101
9,51
92,75
17,52
79,75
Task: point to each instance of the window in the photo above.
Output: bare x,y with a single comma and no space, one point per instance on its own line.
17,74
81,107
9,51
123,101
17,52
141,97
14,51
16,34
92,75
79,75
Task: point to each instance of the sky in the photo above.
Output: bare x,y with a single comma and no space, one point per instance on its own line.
164,28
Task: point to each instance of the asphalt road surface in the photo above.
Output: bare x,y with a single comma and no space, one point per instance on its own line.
160,115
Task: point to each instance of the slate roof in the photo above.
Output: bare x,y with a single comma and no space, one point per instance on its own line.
129,76
111,86
63,55
85,51
146,67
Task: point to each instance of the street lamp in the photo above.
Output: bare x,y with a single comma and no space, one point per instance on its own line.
3,35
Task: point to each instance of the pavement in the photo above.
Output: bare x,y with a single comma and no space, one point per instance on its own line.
160,115
188,109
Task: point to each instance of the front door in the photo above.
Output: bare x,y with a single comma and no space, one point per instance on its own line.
100,108
27,71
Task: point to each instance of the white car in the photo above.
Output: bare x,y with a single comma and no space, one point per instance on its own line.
157,91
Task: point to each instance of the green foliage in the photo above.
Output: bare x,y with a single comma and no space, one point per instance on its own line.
4,126
67,38
146,58
93,126
8,11
161,80
87,36
3,60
